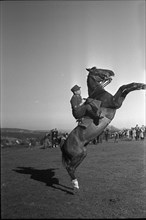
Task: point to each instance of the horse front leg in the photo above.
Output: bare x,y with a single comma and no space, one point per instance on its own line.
122,92
133,86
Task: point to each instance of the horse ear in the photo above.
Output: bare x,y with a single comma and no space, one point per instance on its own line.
94,68
88,69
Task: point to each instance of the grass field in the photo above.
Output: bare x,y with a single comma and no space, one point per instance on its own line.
34,184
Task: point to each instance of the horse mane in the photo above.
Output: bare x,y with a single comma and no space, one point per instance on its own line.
93,83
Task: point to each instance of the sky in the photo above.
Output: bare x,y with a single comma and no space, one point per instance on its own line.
46,47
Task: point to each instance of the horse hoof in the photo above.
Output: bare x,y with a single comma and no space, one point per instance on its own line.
76,187
75,184
144,86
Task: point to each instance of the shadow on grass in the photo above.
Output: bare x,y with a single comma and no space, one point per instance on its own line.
47,176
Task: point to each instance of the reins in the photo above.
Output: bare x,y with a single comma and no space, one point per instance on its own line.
105,83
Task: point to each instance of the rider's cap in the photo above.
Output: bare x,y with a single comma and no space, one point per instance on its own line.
75,88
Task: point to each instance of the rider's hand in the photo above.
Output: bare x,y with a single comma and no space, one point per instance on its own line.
83,101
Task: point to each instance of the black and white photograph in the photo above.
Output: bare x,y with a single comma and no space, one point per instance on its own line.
73,92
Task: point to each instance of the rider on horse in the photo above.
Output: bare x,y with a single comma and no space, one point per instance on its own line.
74,147
81,107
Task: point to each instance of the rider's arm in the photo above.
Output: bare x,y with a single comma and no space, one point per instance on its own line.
76,102
83,101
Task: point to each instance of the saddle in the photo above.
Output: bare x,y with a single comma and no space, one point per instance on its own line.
95,104
86,120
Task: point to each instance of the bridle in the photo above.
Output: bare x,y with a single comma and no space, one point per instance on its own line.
106,82
103,83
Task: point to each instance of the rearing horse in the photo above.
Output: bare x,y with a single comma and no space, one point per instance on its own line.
74,147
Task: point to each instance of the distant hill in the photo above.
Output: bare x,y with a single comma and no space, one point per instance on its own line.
20,130
25,133
22,133
113,129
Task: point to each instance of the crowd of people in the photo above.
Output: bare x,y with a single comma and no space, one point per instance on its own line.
136,133
52,138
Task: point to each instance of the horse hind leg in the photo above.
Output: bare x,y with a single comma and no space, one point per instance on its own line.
74,163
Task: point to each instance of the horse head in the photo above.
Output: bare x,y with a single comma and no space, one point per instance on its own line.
102,76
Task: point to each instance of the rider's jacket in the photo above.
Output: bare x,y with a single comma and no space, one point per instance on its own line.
75,101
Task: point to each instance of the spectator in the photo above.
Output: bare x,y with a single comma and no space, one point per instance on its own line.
143,130
106,133
141,135
100,138
134,134
128,133
137,132
46,141
131,133
116,135
54,137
